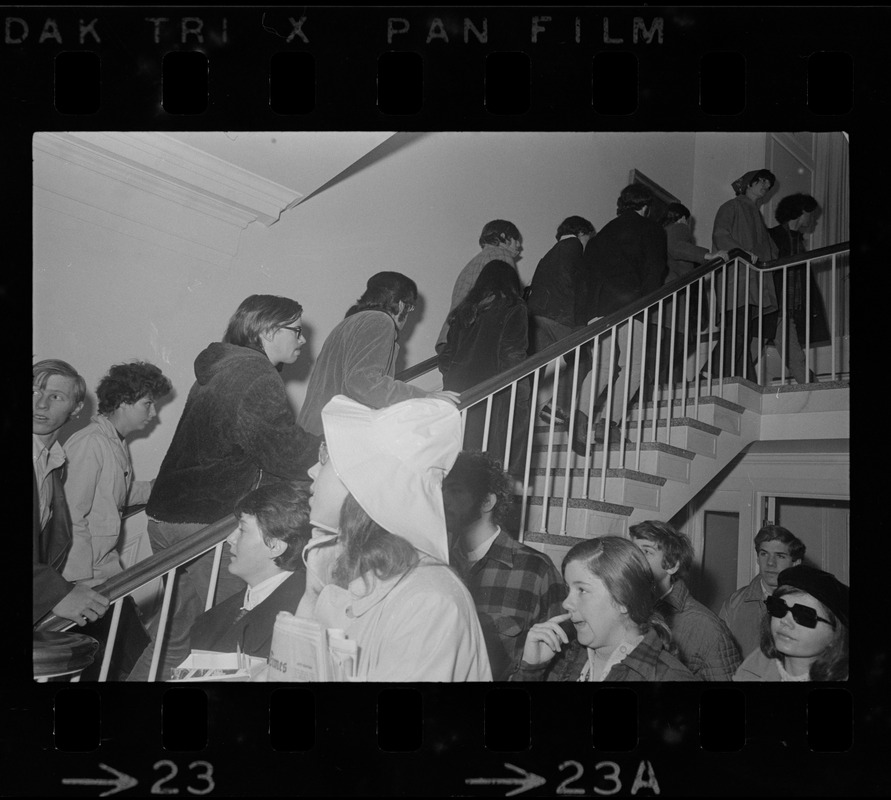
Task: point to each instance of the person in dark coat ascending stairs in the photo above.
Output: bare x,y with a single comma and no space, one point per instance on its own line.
626,261
237,430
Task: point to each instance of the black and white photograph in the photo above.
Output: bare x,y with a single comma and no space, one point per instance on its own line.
453,354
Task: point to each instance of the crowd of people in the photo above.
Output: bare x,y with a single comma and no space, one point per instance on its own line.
375,512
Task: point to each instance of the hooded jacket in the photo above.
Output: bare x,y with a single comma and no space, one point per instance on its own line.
236,429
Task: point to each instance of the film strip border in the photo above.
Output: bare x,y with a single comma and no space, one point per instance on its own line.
442,740
441,68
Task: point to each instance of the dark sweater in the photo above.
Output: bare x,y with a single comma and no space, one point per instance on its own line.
237,422
624,262
556,284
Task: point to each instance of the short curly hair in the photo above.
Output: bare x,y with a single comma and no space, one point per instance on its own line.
472,478
792,206
127,383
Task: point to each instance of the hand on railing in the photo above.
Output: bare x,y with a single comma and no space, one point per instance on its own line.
81,605
152,567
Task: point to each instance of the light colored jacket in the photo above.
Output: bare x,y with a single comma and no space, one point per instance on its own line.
758,667
419,626
98,486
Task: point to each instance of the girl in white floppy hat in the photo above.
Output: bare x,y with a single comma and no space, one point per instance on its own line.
377,566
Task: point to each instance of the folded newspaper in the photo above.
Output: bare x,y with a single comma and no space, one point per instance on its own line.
304,650
206,665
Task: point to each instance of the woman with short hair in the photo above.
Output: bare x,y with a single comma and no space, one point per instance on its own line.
236,431
98,485
615,632
804,634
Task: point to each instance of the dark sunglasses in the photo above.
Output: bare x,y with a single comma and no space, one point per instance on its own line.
803,615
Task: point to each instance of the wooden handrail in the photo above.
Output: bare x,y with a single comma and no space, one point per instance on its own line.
583,335
152,567
810,255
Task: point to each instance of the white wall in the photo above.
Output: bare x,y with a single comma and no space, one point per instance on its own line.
815,469
104,293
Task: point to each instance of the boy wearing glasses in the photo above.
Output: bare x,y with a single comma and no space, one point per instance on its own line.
777,549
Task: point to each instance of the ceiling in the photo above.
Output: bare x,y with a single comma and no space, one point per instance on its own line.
304,161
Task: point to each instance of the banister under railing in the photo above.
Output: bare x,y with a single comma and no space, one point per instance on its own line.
152,567
162,563
471,396
581,336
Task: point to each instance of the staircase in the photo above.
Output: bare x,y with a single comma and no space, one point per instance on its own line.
682,454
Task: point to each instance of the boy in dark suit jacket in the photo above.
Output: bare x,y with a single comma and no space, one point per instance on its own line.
267,547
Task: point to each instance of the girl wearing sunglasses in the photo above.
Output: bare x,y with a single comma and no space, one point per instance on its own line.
804,635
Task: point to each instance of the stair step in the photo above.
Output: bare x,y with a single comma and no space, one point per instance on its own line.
625,486
684,432
589,517
656,458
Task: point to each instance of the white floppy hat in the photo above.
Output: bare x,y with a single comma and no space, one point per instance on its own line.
393,461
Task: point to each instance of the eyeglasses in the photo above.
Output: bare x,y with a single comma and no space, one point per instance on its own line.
803,615
298,329
323,454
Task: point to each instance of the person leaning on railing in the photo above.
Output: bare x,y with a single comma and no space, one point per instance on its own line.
237,430
99,484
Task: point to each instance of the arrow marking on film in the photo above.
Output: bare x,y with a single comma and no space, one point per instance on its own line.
529,780
120,782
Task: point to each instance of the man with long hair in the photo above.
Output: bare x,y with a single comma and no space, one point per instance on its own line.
358,359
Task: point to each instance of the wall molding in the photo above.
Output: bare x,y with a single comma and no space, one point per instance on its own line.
176,171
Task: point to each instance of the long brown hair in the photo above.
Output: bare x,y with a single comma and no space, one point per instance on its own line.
369,548
497,285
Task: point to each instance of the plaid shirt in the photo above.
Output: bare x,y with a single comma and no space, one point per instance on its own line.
742,613
513,587
704,642
649,661
467,277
